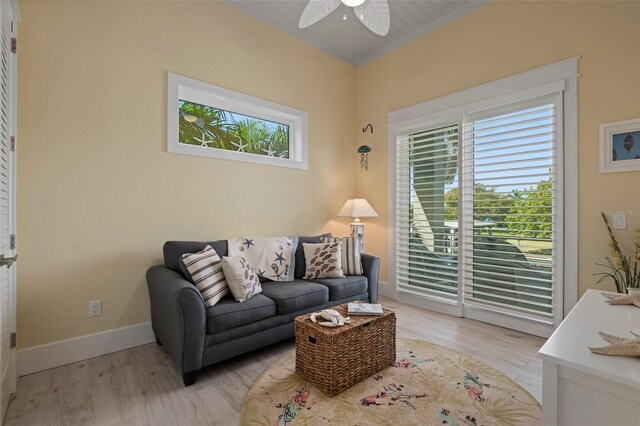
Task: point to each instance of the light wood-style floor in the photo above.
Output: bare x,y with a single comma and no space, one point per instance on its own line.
141,386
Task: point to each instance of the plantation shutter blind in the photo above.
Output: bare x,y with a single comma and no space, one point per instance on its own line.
5,120
426,233
511,152
7,102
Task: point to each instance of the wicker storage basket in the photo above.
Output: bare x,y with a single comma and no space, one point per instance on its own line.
334,359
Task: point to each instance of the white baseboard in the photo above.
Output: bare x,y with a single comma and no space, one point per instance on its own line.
387,290
39,358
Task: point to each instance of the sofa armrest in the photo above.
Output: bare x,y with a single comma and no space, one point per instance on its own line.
371,268
178,317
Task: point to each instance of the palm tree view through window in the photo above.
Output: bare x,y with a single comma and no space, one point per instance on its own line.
216,128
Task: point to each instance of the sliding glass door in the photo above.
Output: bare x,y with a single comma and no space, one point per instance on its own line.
427,238
478,208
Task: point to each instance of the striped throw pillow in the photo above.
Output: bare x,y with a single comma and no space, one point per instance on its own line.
351,261
205,268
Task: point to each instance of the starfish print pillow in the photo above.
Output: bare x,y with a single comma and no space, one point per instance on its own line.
273,258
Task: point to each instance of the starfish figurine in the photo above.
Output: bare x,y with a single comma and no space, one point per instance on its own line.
625,300
240,145
619,346
269,151
203,140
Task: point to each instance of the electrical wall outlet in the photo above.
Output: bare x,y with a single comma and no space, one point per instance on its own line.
619,221
95,308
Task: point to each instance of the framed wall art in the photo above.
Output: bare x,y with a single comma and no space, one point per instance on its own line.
211,121
620,146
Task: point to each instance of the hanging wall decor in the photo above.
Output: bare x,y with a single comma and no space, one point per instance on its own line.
364,151
211,121
620,146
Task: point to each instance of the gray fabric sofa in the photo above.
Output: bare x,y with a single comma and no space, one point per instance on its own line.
196,336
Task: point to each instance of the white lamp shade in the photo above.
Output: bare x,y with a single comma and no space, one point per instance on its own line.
357,207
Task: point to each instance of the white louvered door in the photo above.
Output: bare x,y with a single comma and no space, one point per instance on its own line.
478,214
427,228
512,213
8,15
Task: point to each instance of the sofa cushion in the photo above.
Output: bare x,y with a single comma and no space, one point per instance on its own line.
229,314
351,259
173,251
204,269
300,260
339,288
323,260
256,330
241,278
295,295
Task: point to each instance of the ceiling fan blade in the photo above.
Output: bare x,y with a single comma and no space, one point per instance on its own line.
316,10
374,14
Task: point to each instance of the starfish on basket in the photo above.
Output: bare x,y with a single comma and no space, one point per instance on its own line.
619,346
625,300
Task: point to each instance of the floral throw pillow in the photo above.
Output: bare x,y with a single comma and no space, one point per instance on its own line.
242,280
323,260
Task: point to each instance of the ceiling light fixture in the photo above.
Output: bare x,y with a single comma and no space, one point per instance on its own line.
352,3
373,14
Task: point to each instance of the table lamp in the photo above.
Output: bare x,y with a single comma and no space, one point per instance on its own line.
357,208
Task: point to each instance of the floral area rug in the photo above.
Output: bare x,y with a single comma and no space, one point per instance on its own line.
428,385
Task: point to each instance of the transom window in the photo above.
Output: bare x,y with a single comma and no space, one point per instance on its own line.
211,121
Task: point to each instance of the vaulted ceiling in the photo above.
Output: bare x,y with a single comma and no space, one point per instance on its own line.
349,39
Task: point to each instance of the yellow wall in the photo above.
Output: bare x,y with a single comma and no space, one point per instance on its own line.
499,40
97,192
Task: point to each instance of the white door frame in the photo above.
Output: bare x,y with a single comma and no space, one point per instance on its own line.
434,303
12,379
558,77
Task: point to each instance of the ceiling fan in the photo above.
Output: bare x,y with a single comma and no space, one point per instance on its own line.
374,14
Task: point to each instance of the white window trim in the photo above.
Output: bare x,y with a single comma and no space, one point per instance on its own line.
180,87
557,77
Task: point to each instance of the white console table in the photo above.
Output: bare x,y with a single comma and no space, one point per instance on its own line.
581,388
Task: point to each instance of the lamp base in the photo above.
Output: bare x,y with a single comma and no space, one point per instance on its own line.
357,230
